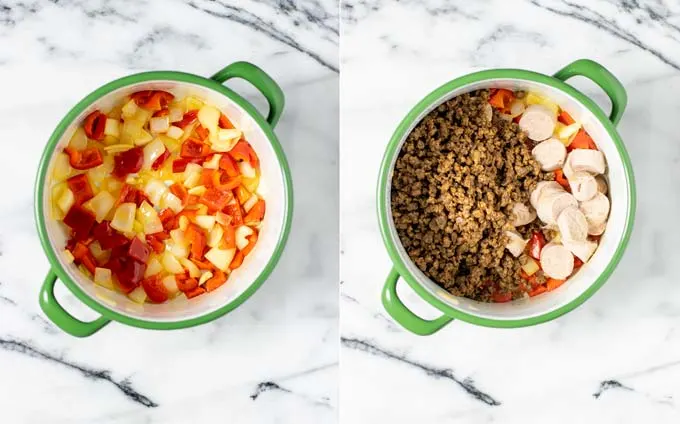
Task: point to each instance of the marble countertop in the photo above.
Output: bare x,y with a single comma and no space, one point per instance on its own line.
616,359
275,358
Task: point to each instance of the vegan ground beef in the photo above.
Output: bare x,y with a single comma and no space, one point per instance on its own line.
458,174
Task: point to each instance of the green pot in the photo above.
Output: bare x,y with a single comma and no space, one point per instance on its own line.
592,275
275,186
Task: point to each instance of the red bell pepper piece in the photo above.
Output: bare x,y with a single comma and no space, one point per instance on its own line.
242,152
562,180
129,194
577,263
84,159
195,292
224,122
202,264
152,99
154,289
565,118
187,119
501,297
80,186
158,163
193,148
216,281
215,199
166,215
221,181
229,237
582,140
252,239
255,214
161,113
228,164
552,284
138,250
156,245
130,273
128,162
80,220
235,212
94,125
538,290
202,132
180,191
237,261
186,284
196,237
107,237
501,99
536,243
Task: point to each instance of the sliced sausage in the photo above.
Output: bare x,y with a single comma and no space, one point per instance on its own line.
582,249
516,243
550,154
587,160
538,122
583,186
557,261
601,184
567,170
544,187
572,224
596,211
550,205
522,215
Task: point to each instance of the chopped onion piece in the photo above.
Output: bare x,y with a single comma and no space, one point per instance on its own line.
174,132
101,255
117,148
149,218
170,284
175,114
183,223
248,204
78,140
171,201
124,217
142,138
100,173
159,124
205,276
101,205
215,236
112,127
194,272
197,191
213,163
222,218
247,170
206,222
209,117
177,236
517,108
68,256
192,175
155,190
62,167
221,258
178,250
138,295
102,277
171,264
66,200
152,151
223,144
242,234
153,267
130,109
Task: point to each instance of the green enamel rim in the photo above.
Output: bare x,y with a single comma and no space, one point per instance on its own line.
583,67
239,69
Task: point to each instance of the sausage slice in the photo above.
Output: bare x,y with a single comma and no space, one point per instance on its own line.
582,249
541,188
601,184
572,224
522,215
550,205
557,261
550,154
538,122
516,243
596,211
583,185
587,160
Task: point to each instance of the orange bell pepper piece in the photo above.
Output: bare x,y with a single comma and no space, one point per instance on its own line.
562,180
255,214
582,140
216,281
252,239
565,118
501,99
237,261
552,284
195,292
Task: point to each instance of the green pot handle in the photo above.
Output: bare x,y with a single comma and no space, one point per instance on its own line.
260,80
401,314
603,78
58,315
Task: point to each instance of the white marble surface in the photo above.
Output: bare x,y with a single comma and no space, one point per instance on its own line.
275,358
616,359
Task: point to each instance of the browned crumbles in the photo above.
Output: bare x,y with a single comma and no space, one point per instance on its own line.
455,181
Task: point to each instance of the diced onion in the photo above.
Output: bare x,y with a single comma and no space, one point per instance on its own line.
149,218
201,209
213,163
124,217
138,295
222,218
215,236
112,127
177,235
205,276
221,258
242,234
568,130
153,267
183,223
529,265
101,205
170,284
175,114
171,264
155,190
248,204
62,167
66,200
178,250
152,151
117,148
142,138
194,272
191,103
198,190
247,170
174,132
102,277
68,256
78,140
101,255
102,172
206,222
171,201
224,145
130,109
159,124
209,117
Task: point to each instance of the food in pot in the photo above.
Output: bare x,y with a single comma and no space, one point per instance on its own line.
470,181
159,197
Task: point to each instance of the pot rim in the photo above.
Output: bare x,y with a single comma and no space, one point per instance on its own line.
87,101
435,97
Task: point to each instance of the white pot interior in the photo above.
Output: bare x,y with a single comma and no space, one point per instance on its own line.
271,188
588,274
